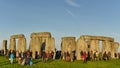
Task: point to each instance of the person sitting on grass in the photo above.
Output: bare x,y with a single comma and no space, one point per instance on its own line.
11,57
23,61
31,62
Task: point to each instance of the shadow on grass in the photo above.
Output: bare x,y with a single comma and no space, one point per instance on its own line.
49,61
4,63
35,61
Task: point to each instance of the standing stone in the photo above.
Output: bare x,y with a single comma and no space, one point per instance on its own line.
12,45
103,47
52,47
21,45
37,39
98,46
31,44
34,44
116,46
47,44
95,45
108,46
4,46
114,49
81,46
68,44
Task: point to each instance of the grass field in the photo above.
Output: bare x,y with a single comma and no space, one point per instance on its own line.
4,63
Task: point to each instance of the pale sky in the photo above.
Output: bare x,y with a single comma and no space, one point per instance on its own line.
60,17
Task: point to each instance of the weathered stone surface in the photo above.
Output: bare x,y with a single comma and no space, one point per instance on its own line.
114,49
21,42
81,46
37,39
92,43
68,45
21,45
4,46
95,45
35,45
42,34
12,45
17,36
85,43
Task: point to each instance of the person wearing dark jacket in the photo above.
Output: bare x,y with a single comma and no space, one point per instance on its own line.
43,52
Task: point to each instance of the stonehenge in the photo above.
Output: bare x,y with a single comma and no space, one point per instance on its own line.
85,43
21,43
92,43
37,39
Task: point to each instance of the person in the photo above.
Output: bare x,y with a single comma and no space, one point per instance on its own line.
81,54
28,53
36,55
64,55
27,61
19,60
52,55
97,55
88,56
91,56
105,56
23,62
109,55
47,55
71,56
17,55
85,57
11,57
68,57
7,55
100,56
43,56
31,62
115,54
43,51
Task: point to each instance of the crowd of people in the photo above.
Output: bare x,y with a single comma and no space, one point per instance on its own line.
88,56
68,56
94,56
25,58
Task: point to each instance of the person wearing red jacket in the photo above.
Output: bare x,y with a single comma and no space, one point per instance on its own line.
85,57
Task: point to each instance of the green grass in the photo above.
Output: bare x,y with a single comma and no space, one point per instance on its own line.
4,63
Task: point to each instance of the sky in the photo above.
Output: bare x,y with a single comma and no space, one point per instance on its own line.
60,17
